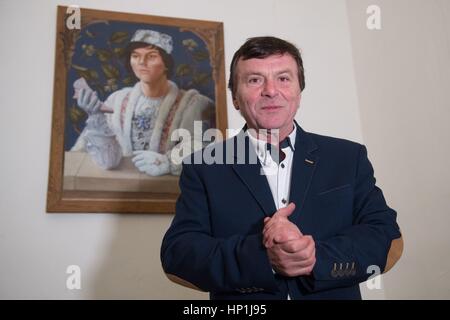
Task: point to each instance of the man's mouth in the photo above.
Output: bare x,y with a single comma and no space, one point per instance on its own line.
271,108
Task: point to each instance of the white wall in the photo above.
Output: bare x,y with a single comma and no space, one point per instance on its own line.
403,77
119,254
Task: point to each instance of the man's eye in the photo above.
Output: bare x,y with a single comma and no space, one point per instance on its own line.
254,80
284,79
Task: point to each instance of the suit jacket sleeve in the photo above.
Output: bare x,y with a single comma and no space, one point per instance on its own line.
343,259
190,251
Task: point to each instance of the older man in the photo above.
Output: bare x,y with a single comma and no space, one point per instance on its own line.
305,221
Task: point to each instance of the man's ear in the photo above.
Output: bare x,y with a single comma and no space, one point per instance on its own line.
235,104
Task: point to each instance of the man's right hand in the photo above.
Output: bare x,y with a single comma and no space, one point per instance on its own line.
88,101
278,228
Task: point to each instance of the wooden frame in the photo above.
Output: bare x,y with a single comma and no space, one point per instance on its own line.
72,193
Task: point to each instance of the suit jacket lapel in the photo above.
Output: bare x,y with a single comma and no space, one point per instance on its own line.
303,167
250,173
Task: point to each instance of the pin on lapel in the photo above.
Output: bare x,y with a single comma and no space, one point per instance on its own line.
309,161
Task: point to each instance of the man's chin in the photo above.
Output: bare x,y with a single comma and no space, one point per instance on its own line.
270,125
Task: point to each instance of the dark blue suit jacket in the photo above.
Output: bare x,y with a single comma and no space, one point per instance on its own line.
215,240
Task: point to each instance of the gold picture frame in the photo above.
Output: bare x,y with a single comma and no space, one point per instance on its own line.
91,47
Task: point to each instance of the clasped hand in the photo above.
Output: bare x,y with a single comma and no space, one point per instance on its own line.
290,252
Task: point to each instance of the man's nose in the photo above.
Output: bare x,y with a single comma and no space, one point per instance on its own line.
141,60
269,89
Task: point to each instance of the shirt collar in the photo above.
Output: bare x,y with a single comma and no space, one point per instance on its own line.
260,145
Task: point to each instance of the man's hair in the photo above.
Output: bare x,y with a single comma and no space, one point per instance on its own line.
263,47
166,58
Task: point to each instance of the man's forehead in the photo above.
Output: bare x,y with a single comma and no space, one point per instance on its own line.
276,61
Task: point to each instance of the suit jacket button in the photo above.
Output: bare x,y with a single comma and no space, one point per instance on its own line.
334,271
340,271
347,271
353,269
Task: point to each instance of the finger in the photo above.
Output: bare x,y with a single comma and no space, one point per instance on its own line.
286,236
137,158
290,265
281,233
143,163
308,268
310,250
138,155
272,230
286,211
281,213
81,95
279,222
270,233
92,102
87,97
269,239
295,246
274,220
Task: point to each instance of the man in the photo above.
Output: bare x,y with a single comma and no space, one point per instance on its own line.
305,223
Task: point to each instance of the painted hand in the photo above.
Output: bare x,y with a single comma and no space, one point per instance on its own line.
88,101
151,163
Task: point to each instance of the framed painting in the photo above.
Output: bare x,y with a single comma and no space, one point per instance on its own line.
125,85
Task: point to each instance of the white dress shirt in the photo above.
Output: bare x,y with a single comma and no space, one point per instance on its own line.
278,175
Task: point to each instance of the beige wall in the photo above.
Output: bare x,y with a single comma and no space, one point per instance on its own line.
119,254
403,79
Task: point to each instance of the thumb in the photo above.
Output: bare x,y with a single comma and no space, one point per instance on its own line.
287,211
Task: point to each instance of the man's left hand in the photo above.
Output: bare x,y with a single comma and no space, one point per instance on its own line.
293,258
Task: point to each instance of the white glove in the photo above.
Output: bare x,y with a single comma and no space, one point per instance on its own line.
151,163
88,101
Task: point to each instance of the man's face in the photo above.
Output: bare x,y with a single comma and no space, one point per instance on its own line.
268,92
148,65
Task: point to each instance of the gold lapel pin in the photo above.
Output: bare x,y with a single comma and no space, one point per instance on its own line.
309,161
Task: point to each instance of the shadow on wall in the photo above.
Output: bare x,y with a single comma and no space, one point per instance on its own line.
131,267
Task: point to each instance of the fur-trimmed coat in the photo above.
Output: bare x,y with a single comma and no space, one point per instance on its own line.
178,110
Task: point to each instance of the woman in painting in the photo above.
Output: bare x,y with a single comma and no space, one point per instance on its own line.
142,121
